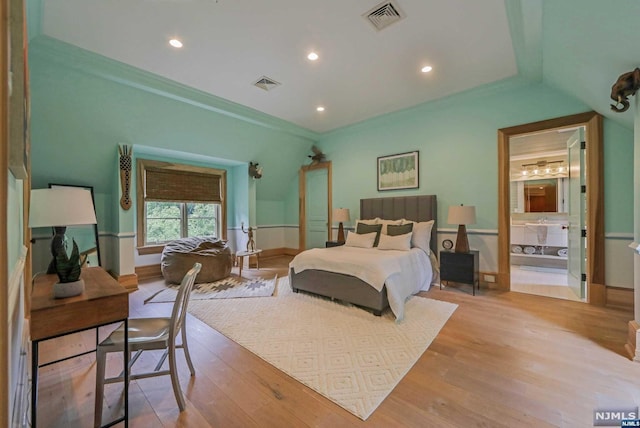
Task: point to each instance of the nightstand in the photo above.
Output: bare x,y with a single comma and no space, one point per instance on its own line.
461,268
330,244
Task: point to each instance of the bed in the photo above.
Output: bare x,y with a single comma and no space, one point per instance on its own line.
351,289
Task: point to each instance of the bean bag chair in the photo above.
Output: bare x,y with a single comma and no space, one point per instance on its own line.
212,253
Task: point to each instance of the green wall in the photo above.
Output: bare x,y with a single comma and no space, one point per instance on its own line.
84,105
457,140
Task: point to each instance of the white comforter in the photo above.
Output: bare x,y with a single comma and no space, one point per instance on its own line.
404,272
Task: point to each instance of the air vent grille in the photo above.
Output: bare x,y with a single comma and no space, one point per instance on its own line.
384,14
266,83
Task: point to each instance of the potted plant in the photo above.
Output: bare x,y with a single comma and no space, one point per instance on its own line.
68,270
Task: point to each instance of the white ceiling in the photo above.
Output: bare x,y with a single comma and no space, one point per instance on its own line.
361,73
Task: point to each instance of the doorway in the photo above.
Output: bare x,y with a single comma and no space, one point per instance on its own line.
315,205
537,222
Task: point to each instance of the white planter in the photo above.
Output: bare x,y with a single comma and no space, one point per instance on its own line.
68,289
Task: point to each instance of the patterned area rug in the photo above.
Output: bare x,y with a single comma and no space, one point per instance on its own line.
228,288
350,356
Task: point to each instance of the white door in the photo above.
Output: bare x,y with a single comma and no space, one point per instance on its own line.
576,263
317,210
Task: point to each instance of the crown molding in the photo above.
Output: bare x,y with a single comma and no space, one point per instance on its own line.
66,55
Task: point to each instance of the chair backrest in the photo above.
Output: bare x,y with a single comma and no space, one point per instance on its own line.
182,300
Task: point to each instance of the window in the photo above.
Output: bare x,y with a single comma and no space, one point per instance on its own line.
178,201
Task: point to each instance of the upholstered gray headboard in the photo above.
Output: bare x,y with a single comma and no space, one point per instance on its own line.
416,208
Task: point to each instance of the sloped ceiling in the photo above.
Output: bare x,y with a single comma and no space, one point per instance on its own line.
577,46
586,45
360,73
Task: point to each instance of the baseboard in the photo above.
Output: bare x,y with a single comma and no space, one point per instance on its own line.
283,251
632,341
292,251
619,298
130,281
148,272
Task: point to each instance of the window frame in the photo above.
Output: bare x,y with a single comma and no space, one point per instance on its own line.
141,226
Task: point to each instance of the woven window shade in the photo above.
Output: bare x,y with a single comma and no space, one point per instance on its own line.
181,186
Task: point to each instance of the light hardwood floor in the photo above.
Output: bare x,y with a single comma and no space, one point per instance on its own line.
502,360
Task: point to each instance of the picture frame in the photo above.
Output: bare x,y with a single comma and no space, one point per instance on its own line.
399,171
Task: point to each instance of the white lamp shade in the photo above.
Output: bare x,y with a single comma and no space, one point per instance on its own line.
462,214
61,206
341,215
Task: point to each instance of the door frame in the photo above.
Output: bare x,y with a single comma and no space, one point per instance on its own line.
302,195
592,121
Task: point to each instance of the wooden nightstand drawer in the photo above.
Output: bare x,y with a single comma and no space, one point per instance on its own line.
460,267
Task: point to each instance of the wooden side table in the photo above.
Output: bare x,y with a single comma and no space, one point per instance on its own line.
460,267
240,255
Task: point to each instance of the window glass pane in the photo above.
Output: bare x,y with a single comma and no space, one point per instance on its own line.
202,219
163,210
162,230
163,221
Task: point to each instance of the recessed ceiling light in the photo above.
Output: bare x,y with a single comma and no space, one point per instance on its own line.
319,108
312,56
175,43
426,69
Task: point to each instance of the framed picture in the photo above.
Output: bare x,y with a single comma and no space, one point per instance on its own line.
398,171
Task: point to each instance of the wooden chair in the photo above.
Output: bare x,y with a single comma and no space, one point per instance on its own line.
147,334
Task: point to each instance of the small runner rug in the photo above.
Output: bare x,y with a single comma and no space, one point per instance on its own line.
228,288
345,353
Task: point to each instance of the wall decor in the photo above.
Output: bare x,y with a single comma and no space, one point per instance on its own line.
626,86
398,171
125,175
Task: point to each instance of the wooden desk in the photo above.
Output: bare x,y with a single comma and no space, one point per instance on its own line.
103,302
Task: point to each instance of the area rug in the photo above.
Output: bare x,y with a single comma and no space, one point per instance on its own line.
350,356
229,288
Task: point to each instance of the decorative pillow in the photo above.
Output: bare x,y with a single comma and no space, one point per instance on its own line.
421,237
368,228
397,242
395,230
385,223
364,240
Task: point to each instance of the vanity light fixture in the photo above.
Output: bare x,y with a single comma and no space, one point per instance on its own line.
175,43
312,56
548,167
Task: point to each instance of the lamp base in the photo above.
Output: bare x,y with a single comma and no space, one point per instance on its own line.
340,232
462,243
68,289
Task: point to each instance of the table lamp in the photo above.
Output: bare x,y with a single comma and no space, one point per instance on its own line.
58,208
462,215
341,215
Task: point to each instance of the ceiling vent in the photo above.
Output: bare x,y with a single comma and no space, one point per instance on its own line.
384,14
266,83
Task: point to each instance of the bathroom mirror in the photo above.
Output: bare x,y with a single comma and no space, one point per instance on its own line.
86,236
538,196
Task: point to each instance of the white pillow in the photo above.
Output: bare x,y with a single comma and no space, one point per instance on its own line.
384,224
367,221
362,240
421,237
398,242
